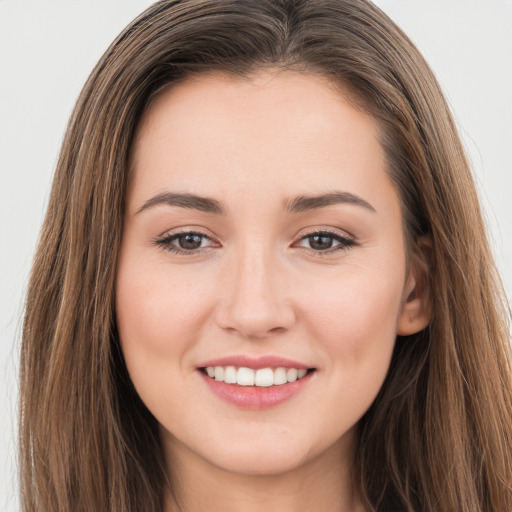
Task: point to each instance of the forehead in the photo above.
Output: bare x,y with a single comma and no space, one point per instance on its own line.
279,129
253,100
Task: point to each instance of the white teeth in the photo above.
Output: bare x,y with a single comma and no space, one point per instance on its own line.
219,373
263,377
230,375
291,374
280,376
245,377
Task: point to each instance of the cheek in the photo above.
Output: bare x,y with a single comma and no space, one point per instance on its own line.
355,324
155,305
357,300
159,315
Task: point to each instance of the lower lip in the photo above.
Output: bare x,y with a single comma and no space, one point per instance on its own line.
255,397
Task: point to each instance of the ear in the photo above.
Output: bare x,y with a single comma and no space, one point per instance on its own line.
416,309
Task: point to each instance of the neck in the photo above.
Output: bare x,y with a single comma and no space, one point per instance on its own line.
323,484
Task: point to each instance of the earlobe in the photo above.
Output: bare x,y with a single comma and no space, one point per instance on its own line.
416,309
415,314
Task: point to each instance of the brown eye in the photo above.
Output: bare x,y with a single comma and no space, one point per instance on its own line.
185,243
325,242
190,241
320,242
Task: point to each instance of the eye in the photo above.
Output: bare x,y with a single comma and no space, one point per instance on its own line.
325,242
187,242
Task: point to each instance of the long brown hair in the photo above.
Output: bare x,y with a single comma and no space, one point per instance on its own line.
439,435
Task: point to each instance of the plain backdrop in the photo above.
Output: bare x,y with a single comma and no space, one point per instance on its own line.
47,49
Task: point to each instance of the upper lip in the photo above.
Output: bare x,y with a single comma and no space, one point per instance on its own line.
255,362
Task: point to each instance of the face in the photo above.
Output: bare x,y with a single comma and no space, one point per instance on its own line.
262,237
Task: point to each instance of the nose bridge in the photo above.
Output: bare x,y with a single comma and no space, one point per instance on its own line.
255,302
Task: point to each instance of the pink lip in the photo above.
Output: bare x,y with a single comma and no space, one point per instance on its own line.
253,397
254,362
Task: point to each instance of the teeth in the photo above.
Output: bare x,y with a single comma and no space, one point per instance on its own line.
245,377
291,374
264,377
219,373
230,375
280,376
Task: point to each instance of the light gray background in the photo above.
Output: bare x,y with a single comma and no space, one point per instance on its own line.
48,47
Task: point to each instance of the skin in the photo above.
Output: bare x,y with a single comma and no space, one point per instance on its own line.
257,287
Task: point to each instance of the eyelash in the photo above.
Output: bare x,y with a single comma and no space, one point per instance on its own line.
344,242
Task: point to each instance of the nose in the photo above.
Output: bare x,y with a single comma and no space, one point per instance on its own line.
254,301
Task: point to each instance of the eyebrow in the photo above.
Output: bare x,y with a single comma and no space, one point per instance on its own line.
306,203
190,201
298,205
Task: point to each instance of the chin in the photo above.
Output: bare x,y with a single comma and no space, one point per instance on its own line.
259,460
245,453
263,448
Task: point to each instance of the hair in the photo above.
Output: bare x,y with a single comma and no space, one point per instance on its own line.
439,435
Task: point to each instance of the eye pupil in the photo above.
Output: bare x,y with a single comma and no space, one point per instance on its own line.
190,241
319,242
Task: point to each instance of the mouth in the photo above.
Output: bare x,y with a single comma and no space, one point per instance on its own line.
261,377
255,384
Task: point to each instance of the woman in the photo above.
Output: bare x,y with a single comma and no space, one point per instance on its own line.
263,279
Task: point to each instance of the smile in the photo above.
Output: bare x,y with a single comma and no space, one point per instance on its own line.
263,377
255,384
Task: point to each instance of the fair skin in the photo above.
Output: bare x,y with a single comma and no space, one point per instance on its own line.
323,284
